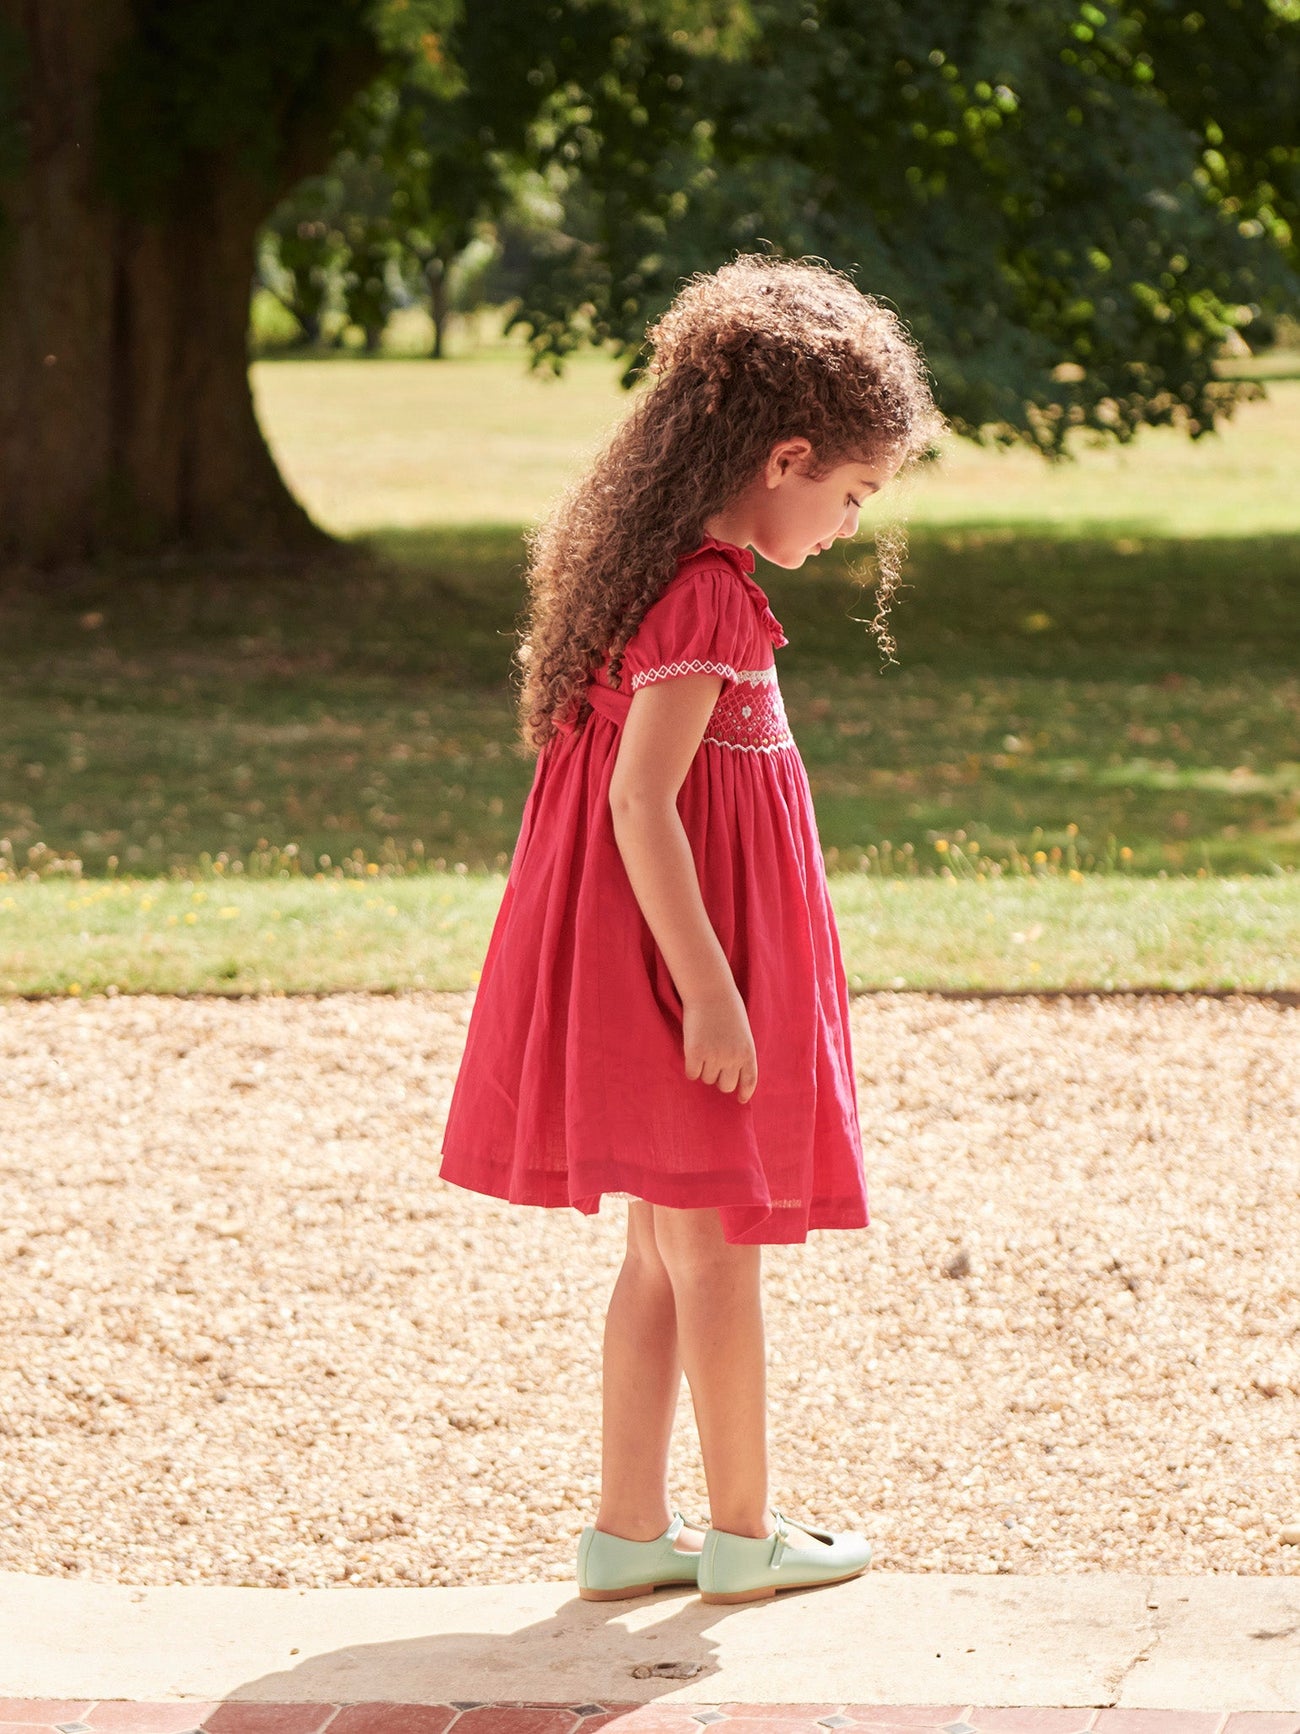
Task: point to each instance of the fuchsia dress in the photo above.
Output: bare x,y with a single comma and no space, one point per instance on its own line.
573,1081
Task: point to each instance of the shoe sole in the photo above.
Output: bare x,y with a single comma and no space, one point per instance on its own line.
633,1590
762,1594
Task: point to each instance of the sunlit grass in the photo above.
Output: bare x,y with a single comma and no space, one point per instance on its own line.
478,440
407,443
386,930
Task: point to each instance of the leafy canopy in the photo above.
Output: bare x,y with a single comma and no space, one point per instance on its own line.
1074,203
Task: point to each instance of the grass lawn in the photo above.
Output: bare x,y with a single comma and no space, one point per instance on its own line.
1097,663
387,933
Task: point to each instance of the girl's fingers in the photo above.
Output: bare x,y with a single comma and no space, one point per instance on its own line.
740,1078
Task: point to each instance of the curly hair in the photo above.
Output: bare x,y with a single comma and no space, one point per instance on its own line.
759,351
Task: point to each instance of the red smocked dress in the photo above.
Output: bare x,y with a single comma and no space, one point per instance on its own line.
573,1080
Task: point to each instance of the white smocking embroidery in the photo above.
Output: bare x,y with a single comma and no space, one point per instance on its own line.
669,670
749,717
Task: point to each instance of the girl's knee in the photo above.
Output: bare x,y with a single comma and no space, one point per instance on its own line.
693,1242
641,1243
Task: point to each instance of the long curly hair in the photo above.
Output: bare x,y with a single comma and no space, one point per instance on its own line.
759,351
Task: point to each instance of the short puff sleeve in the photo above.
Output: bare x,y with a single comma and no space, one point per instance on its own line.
704,623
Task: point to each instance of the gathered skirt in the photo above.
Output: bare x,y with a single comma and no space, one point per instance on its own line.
573,1086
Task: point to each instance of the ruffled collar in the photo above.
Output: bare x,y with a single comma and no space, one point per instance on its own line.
742,560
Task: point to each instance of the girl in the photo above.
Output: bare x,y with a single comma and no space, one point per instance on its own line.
662,1014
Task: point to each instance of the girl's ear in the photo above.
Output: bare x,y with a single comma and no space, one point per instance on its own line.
787,457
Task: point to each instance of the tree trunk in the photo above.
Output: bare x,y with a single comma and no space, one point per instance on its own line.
439,305
126,420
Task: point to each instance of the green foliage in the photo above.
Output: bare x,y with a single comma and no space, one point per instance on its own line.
414,185
302,253
1074,203
200,87
1011,174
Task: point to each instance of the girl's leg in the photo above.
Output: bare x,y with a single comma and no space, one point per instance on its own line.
641,1379
719,1308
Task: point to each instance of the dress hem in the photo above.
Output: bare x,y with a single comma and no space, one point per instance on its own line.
742,1222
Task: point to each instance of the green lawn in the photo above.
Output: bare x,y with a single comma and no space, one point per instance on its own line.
407,444
1097,663
387,933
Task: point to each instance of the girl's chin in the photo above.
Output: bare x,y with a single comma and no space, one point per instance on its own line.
788,559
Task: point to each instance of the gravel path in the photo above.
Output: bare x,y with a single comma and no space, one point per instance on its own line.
250,1338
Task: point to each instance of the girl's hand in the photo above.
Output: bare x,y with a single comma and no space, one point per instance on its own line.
719,1044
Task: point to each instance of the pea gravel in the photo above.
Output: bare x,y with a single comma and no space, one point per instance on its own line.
250,1338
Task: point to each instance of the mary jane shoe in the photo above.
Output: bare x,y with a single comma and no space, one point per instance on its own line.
745,1568
611,1569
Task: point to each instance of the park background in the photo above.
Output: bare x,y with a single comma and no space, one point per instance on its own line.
1095,682
260,572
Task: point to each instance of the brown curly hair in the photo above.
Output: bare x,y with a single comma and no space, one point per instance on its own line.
759,351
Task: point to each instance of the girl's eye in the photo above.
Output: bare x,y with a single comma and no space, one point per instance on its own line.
857,504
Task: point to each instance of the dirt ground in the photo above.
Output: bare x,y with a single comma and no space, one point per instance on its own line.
249,1337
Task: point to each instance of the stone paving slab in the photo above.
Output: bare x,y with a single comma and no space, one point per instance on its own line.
1209,1645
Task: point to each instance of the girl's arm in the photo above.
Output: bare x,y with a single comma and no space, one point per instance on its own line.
665,724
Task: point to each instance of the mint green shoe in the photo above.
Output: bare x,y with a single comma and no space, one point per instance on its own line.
611,1569
744,1568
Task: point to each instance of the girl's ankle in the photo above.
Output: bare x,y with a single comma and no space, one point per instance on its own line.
631,1530
752,1531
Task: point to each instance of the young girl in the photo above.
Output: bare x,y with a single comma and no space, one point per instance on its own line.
662,1014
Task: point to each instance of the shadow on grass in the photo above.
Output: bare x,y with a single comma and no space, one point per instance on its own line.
1051,692
1031,600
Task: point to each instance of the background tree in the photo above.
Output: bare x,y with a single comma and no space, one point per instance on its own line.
451,183
302,256
413,187
152,139
1071,237
1072,203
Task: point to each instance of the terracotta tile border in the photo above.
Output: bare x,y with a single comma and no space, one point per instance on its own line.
45,1712
1159,1721
924,1716
1008,1721
393,1719
126,1716
244,1716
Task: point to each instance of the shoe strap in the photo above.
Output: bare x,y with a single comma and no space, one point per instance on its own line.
675,1528
779,1540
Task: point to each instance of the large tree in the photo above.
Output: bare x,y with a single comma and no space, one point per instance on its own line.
146,142
1072,203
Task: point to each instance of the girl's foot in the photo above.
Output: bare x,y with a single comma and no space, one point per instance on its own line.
614,1567
739,1568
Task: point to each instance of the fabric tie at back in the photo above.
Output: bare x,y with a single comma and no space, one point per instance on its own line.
604,699
609,703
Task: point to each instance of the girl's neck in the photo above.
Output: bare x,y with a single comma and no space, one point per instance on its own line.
730,525
738,521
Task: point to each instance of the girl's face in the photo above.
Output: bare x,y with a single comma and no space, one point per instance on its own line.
792,514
